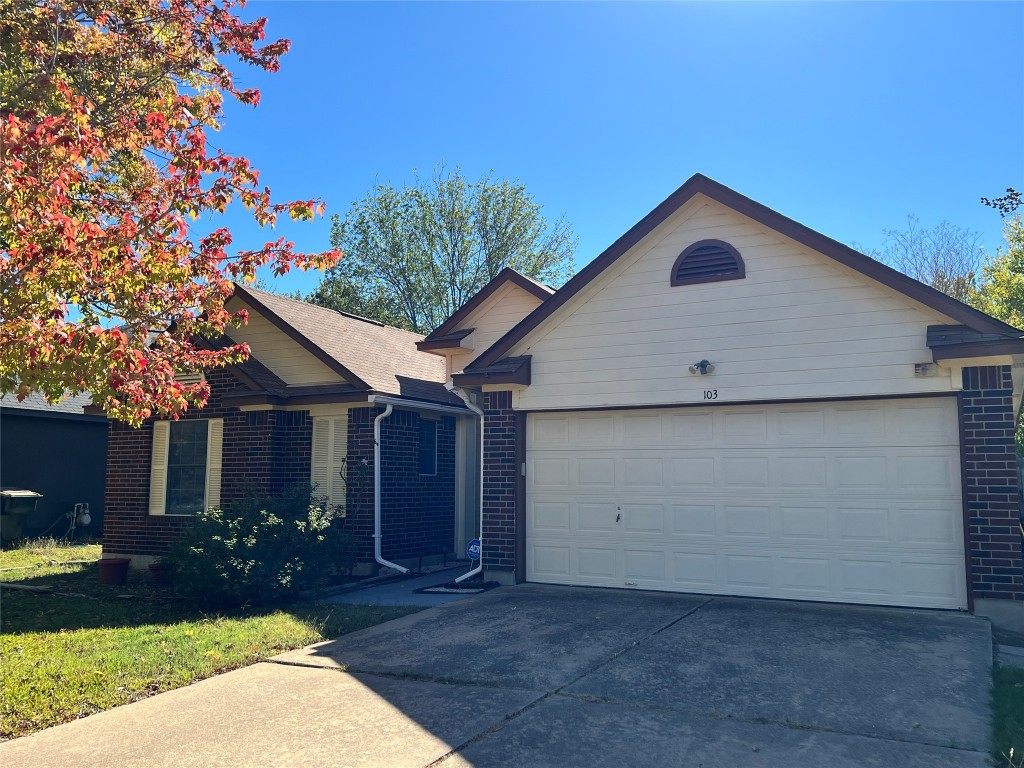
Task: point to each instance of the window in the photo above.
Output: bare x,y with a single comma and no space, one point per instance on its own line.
186,465
706,262
428,447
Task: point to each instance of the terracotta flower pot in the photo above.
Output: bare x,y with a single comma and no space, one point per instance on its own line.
114,570
161,574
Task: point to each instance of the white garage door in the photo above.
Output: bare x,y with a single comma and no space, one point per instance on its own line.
847,502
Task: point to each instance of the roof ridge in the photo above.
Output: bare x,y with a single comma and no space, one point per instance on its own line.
322,308
533,280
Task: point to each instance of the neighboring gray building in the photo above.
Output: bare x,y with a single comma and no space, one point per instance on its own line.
57,450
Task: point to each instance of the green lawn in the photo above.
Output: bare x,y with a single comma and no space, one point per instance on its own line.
89,647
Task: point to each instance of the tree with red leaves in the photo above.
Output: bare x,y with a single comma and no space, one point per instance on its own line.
104,163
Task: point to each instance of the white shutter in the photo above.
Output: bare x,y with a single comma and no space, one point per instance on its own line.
320,465
339,451
330,448
214,453
158,468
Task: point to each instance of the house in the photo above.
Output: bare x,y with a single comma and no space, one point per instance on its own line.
727,402
59,451
302,409
723,402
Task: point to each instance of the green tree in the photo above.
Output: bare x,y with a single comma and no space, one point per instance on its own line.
1001,287
1000,291
415,254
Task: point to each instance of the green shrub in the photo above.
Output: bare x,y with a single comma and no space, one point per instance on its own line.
263,549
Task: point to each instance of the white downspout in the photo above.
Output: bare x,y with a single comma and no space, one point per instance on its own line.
480,417
376,493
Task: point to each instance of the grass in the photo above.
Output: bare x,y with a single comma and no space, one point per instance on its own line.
88,647
1007,712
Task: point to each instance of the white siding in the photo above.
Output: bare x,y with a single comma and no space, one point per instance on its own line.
280,353
492,320
799,325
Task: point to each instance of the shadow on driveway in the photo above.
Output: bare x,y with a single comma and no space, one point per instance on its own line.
560,676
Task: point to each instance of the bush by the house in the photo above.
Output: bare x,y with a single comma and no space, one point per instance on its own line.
262,549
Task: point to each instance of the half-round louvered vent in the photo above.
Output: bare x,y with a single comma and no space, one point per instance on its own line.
706,262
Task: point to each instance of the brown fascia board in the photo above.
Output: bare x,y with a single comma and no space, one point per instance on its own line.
506,275
700,184
512,370
941,335
307,395
996,347
302,340
448,341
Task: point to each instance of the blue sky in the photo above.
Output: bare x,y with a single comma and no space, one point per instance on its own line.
845,117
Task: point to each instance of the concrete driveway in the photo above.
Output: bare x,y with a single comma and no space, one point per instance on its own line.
558,676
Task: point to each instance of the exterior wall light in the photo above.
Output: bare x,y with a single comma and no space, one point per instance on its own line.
703,367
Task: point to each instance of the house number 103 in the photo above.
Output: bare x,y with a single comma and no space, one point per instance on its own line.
710,394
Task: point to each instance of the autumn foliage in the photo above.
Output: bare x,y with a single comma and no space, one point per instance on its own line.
105,166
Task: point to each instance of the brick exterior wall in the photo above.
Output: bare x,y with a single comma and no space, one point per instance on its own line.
417,511
264,450
990,483
499,534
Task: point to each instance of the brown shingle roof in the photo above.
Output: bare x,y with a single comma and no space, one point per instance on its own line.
366,352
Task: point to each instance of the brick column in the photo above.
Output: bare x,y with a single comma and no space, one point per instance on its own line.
990,483
499,518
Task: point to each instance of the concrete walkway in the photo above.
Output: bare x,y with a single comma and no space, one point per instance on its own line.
553,676
403,591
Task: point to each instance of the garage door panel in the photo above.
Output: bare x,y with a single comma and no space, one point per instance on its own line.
897,422
910,472
643,472
803,424
800,525
693,520
644,519
789,524
642,429
692,472
599,430
848,502
597,562
809,574
596,517
694,571
746,522
644,566
551,562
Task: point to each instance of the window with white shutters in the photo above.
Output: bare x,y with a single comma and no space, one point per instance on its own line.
185,466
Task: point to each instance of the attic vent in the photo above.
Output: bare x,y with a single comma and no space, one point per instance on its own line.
706,262
189,378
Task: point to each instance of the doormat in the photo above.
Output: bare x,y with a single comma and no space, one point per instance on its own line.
451,588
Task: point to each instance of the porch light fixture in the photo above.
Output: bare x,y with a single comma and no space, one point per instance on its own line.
704,367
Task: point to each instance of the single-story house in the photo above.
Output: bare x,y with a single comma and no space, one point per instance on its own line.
303,410
722,402
59,451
